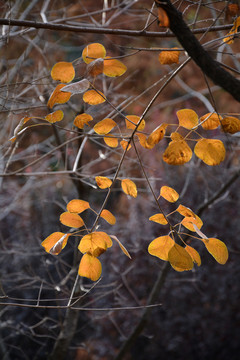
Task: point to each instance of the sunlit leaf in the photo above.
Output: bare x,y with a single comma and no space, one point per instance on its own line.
104,126
58,97
71,219
212,122
93,244
187,118
169,194
179,258
124,144
103,182
157,135
230,38
92,52
108,216
210,151
90,267
177,153
124,250
169,57
188,222
162,18
92,97
185,211
194,254
55,116
134,119
160,247
77,206
111,141
113,67
55,242
78,87
63,71
230,125
217,249
95,68
159,218
81,120
129,187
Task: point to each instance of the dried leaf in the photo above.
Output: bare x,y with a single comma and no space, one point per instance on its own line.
124,144
157,135
187,118
103,127
55,116
92,97
194,255
177,153
143,140
113,67
58,97
103,182
169,57
111,141
176,136
78,87
95,68
163,18
92,52
230,125
124,250
108,216
179,258
129,187
160,247
55,242
134,119
63,71
71,219
77,206
212,122
230,38
210,151
217,249
169,194
159,218
90,267
81,120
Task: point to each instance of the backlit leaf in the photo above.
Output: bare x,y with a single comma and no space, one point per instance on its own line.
160,247
129,187
104,126
177,153
230,125
162,18
157,135
159,218
103,182
78,87
81,120
77,206
185,211
93,244
169,194
108,216
63,71
217,249
90,267
210,151
179,258
95,68
124,250
188,222
212,122
194,254
55,242
113,67
111,141
92,52
169,57
92,97
71,219
124,144
58,97
187,118
134,119
55,116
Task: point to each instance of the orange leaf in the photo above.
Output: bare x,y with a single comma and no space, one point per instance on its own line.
177,153
212,122
58,97
77,87
92,97
124,144
210,151
108,216
176,136
194,254
143,141
163,18
113,67
103,182
179,258
71,219
160,247
230,38
129,187
187,118
159,218
92,52
169,57
124,250
81,120
157,135
111,141
103,127
95,243
90,267
55,242
217,249
188,222
134,119
185,211
77,206
95,68
169,194
55,116
230,125
63,71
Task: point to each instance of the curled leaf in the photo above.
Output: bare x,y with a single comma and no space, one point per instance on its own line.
230,125
169,57
78,87
103,182
163,20
217,249
189,222
71,219
124,250
63,71
210,151
129,187
95,68
210,121
58,97
90,267
55,242
93,244
160,247
177,153
81,120
157,135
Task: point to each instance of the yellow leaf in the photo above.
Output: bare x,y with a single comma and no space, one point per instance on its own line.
169,57
187,118
163,18
124,144
176,136
58,97
111,141
230,38
90,267
63,71
71,219
55,242
160,247
185,211
194,254
143,140
212,122
95,68
95,243
210,151
92,52
93,97
230,125
113,67
103,127
179,258
177,153
217,249
124,250
55,116
169,194
77,206
129,187
108,216
157,135
134,119
159,218
81,120
188,222
103,182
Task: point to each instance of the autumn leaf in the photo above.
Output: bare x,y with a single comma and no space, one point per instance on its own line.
179,258
104,126
159,218
160,247
95,68
58,97
78,87
230,125
129,187
194,254
134,119
143,141
108,216
177,153
169,194
217,249
63,71
124,144
81,120
187,118
90,267
111,141
185,211
212,121
210,151
77,206
230,38
95,243
103,182
92,97
55,116
163,20
113,67
188,222
175,136
169,57
124,250
157,135
71,219
55,242
92,52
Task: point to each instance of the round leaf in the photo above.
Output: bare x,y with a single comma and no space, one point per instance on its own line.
179,258
104,126
113,67
63,71
157,135
103,182
93,244
71,220
111,141
210,151
194,254
81,120
177,153
90,267
77,206
187,118
217,249
160,247
92,97
92,52
212,122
